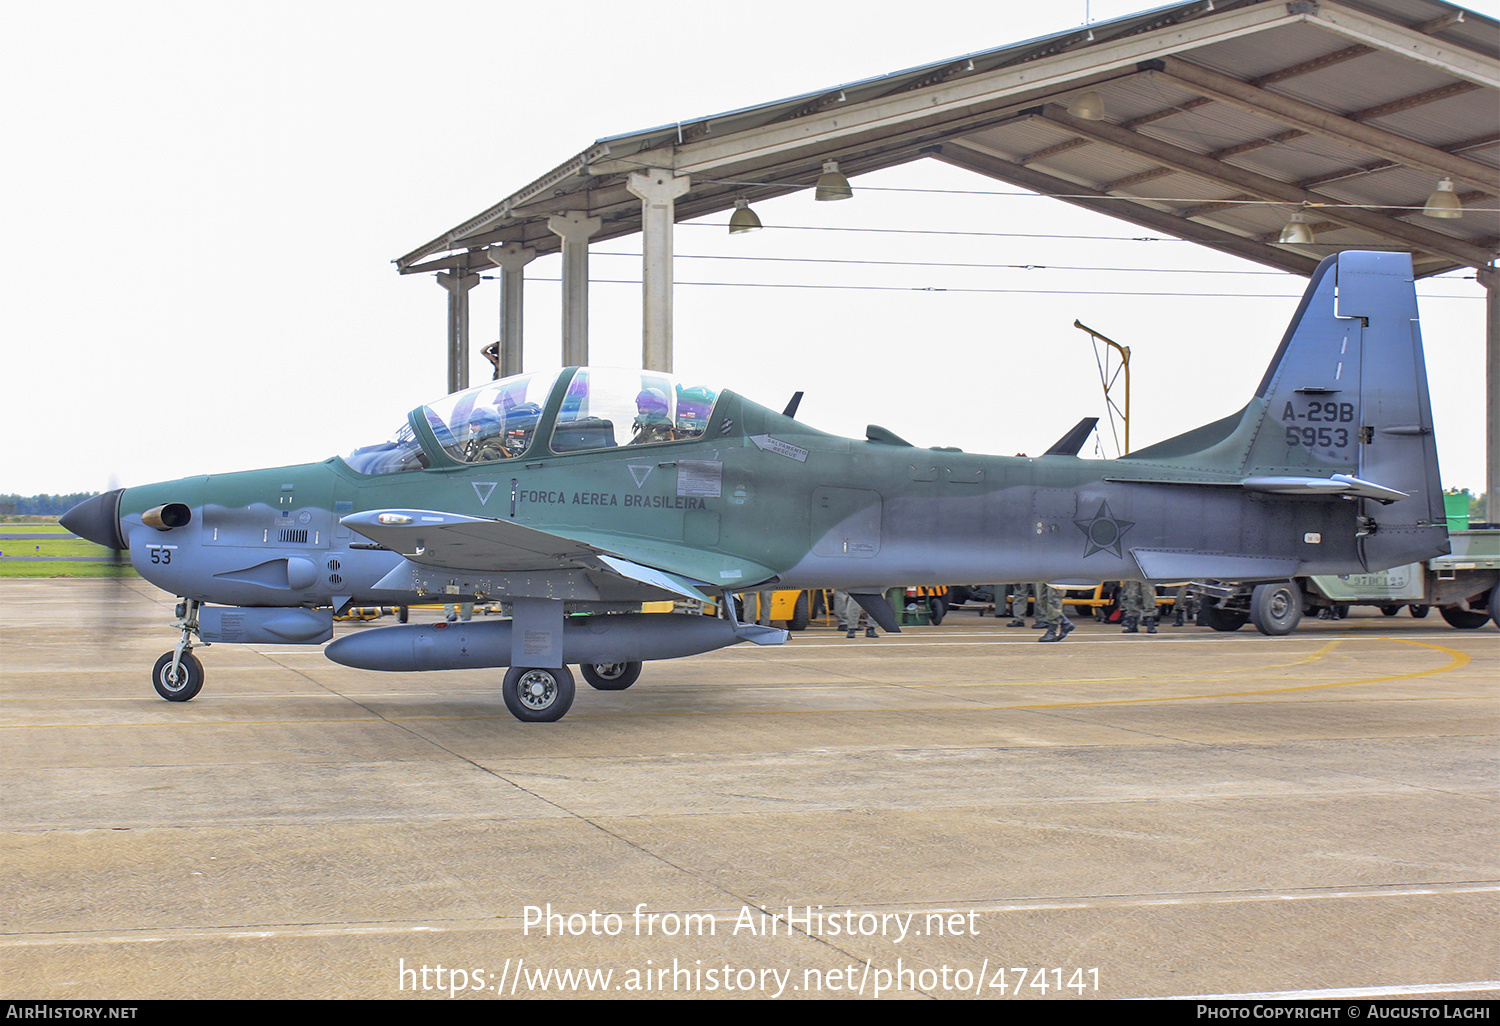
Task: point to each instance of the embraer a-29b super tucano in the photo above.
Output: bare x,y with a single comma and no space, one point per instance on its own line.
574,496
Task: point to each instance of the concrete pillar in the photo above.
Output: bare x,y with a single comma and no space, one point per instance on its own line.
1489,277
575,228
657,189
458,285
512,259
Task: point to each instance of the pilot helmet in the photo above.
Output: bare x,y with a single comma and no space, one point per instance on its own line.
651,404
484,421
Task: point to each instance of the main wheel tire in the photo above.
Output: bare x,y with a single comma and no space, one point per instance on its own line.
538,694
1222,619
610,676
1464,619
185,684
1389,610
801,613
1276,608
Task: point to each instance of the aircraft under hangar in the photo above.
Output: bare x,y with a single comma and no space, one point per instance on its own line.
1279,132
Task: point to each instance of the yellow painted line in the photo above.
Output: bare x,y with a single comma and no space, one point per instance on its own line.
1457,661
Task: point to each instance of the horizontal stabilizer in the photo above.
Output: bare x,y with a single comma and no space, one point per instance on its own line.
1167,565
1338,484
1070,443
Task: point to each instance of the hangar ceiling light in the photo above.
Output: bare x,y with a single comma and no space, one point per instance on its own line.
743,219
832,185
1444,202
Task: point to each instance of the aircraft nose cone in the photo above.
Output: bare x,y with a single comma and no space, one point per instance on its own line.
97,519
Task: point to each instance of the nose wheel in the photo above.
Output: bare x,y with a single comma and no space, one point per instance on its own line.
179,683
178,674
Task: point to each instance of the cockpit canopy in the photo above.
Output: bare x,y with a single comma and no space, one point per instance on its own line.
493,421
556,412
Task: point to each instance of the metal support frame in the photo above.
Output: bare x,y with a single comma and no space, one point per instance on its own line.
1107,380
187,623
658,190
574,228
1489,277
512,259
972,158
458,286
1308,118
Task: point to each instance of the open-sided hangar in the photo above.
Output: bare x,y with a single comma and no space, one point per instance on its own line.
1363,124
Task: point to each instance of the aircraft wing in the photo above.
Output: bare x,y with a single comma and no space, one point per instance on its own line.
454,541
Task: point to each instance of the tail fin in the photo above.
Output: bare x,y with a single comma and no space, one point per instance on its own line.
1343,409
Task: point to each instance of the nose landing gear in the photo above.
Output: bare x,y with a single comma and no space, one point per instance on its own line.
178,674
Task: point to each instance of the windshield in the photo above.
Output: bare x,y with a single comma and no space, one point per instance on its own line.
494,421
605,408
400,453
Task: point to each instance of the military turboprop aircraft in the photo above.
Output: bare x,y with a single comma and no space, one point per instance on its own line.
573,496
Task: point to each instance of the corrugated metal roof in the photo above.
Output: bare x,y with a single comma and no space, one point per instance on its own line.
1307,83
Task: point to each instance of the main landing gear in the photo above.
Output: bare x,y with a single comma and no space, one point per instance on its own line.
610,676
536,694
178,674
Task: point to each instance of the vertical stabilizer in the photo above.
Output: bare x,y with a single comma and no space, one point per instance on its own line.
1343,408
1347,395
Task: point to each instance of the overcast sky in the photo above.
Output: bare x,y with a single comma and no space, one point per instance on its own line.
202,202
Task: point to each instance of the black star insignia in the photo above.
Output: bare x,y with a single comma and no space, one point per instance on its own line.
1103,531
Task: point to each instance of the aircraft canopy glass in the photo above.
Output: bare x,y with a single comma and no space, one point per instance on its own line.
604,408
493,421
599,409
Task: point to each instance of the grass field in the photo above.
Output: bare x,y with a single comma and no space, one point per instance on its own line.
63,545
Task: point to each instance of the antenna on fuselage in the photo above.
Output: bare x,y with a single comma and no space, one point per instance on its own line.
791,407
